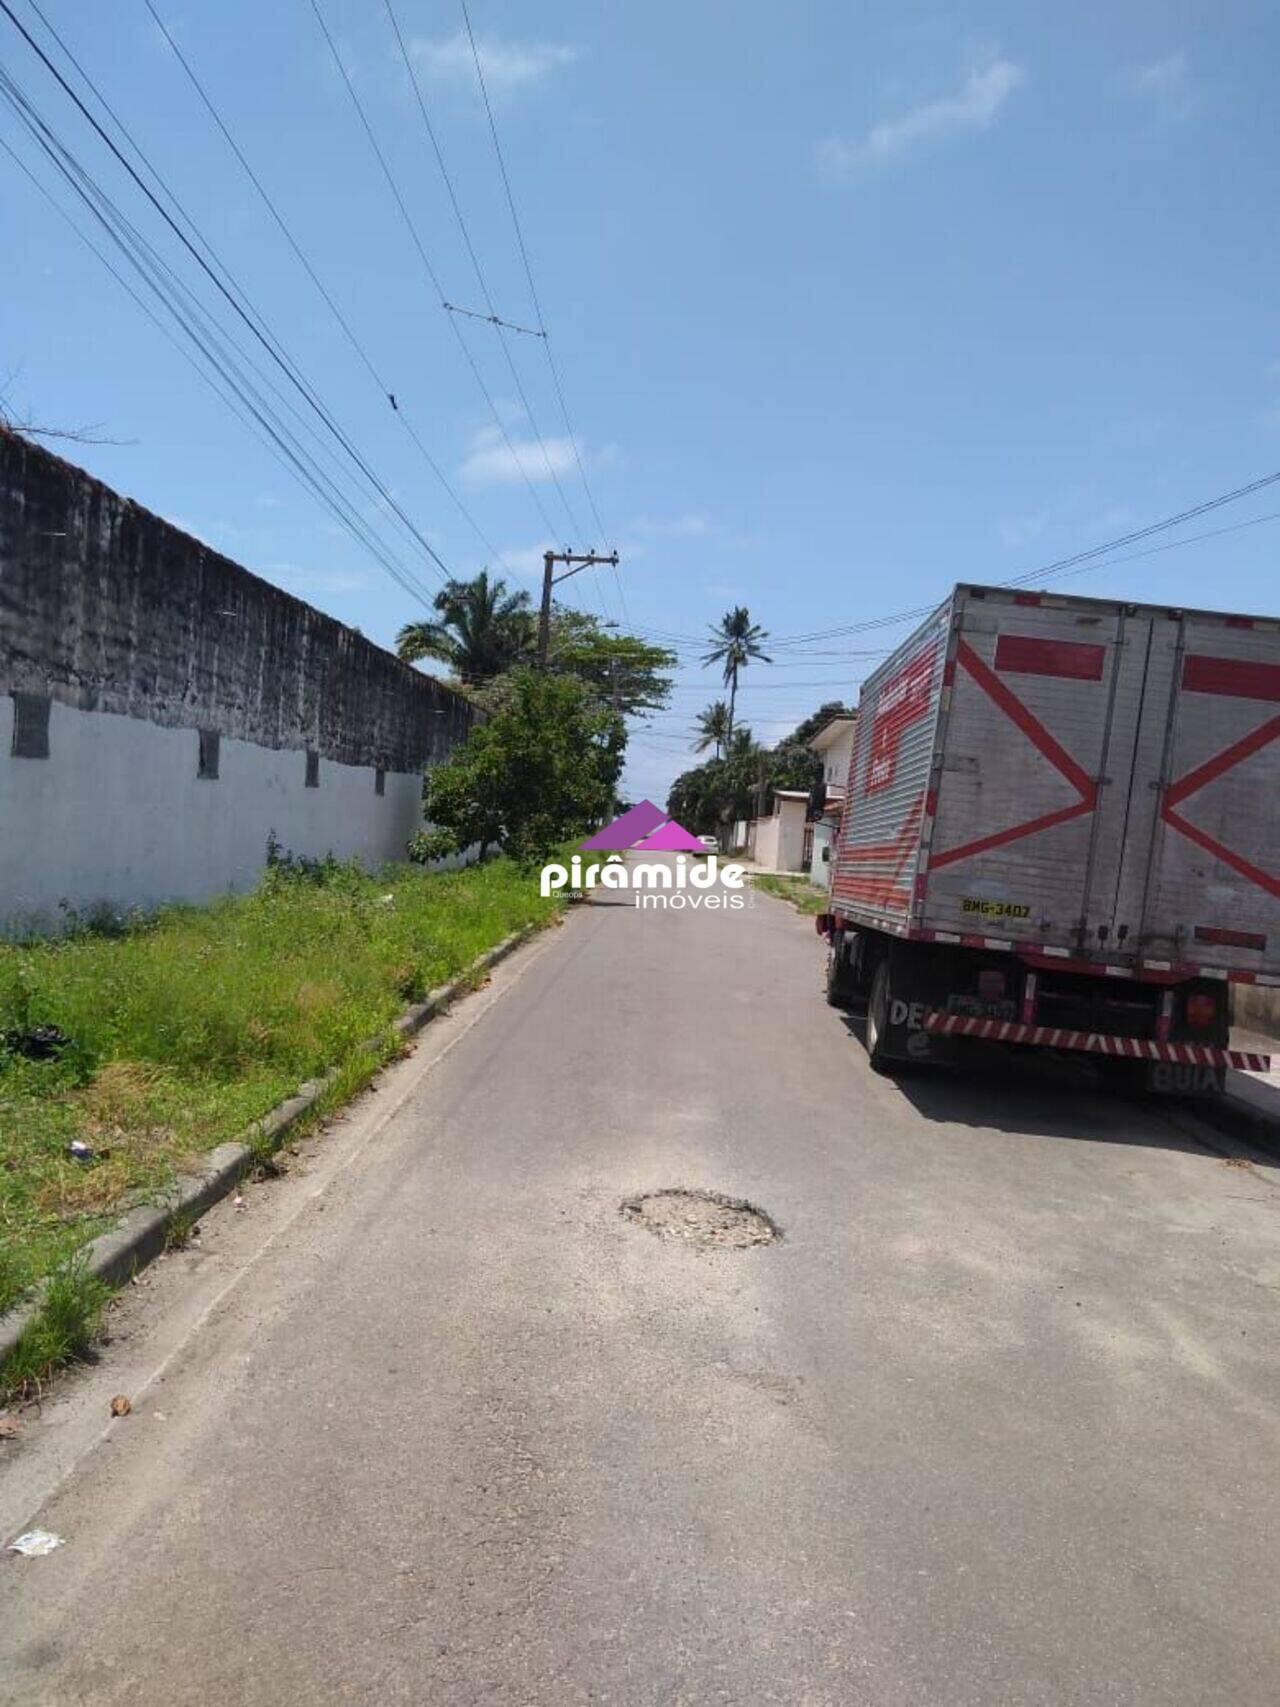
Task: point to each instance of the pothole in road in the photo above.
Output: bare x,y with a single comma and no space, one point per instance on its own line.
702,1218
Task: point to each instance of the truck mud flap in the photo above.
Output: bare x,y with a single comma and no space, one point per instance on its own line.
913,995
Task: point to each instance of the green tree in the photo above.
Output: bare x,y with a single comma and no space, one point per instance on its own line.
713,795
714,727
630,674
741,782
736,641
483,629
819,719
542,769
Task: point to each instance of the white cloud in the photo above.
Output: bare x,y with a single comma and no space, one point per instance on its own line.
1018,531
1076,517
974,107
1164,85
507,65
1160,77
689,526
526,559
495,461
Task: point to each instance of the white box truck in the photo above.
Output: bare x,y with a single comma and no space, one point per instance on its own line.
1062,830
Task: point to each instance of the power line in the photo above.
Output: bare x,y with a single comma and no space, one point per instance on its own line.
533,294
199,328
251,318
1080,563
384,388
431,273
493,315
1060,566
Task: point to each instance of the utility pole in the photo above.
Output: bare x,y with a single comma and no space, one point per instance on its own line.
574,561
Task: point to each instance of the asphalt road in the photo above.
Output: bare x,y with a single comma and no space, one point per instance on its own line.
429,1421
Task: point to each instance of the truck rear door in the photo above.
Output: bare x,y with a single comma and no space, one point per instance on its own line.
1210,892
1036,763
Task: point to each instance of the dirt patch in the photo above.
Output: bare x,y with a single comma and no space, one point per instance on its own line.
702,1218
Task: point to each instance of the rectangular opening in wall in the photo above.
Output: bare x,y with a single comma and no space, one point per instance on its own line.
313,769
30,726
210,743
380,781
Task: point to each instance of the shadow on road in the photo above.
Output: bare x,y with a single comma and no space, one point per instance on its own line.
1040,1095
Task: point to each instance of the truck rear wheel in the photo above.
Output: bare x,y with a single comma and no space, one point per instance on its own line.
840,985
878,1018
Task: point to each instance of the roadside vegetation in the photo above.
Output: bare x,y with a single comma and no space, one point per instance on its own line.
798,890
145,1045
739,781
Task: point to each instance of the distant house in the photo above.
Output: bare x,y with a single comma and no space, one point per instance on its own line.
777,842
834,745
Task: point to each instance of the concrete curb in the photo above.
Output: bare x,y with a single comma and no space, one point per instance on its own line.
141,1233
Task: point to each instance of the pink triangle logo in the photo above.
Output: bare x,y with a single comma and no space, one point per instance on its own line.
671,838
625,832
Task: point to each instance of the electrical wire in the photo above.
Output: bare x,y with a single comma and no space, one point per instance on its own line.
493,316
194,321
533,294
385,389
1063,565
423,256
232,294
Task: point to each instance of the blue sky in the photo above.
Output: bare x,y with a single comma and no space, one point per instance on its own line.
849,302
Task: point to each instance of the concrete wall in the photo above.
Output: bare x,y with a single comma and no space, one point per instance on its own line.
779,839
1256,1007
140,636
764,844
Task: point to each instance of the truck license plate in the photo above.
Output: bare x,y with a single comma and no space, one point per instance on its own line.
1181,1078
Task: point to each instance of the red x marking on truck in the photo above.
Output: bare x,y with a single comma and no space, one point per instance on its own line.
1040,737
1243,680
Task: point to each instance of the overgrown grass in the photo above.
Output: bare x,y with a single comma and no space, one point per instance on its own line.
798,890
191,1025
71,1306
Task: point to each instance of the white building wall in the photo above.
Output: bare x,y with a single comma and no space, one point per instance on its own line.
765,850
117,813
820,861
835,759
791,819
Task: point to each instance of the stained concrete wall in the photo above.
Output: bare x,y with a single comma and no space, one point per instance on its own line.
141,636
1256,1007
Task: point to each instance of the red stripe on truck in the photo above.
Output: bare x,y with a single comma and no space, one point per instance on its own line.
1230,939
1242,678
1024,655
879,891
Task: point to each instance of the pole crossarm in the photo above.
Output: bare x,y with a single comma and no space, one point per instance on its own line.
575,562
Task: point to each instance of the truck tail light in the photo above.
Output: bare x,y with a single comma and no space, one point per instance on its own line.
992,984
1202,1010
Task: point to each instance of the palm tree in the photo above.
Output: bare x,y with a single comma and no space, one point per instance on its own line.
714,727
483,629
736,642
